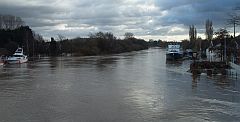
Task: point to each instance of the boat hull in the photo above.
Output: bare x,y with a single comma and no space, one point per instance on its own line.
17,58
174,56
17,61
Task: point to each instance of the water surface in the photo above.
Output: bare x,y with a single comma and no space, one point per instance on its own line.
136,86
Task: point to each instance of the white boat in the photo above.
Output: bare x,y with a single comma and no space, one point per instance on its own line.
18,57
174,52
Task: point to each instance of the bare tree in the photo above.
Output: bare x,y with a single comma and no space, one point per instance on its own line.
10,22
37,37
61,37
233,20
102,35
129,35
192,33
222,33
209,30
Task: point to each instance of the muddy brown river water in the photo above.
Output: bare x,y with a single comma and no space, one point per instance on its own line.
130,87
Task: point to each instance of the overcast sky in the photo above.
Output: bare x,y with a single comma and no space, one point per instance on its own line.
148,19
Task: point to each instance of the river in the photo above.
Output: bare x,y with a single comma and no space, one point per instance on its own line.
129,87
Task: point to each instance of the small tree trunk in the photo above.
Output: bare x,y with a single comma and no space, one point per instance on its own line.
234,29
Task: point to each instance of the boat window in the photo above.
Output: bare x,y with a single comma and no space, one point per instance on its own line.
19,50
17,55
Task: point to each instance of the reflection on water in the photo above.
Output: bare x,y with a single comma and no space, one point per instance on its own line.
195,79
135,86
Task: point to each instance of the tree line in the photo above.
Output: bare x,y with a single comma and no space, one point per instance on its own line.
99,43
20,37
217,40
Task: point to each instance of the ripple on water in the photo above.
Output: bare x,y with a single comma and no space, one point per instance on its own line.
135,86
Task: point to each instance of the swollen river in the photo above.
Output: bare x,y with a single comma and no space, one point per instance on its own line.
130,87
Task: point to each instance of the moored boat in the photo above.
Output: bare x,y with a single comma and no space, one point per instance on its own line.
174,52
18,57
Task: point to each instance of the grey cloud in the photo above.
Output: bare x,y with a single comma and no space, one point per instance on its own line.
30,11
119,16
41,22
194,12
